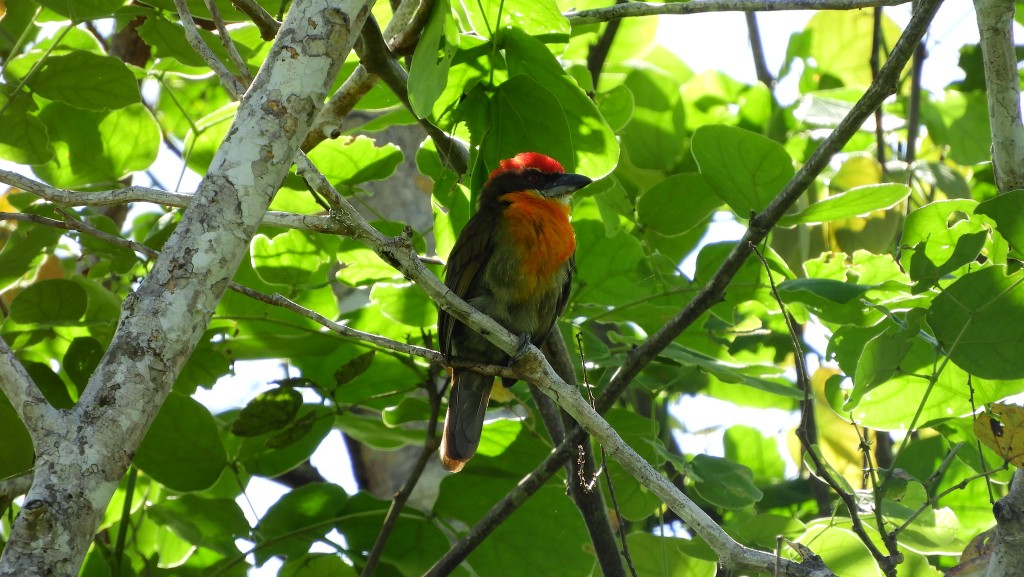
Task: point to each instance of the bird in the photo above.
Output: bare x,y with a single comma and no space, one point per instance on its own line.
514,261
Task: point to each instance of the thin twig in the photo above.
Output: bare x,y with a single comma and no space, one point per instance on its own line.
228,43
233,85
635,9
590,503
266,23
757,51
604,464
598,52
821,469
713,291
874,60
274,300
914,109
401,33
378,59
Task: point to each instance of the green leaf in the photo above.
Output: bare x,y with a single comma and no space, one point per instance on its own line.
294,433
294,258
658,208
81,359
82,10
51,385
182,448
210,523
960,121
261,459
655,556
1008,212
317,565
762,530
23,139
540,18
353,368
654,136
853,202
610,270
747,445
371,431
833,300
593,144
50,302
728,372
301,517
841,550
840,43
941,238
16,452
724,483
526,116
26,248
206,134
352,160
616,106
428,73
269,411
97,147
86,80
555,548
408,410
895,403
203,369
979,319
168,40
745,169
880,360
405,304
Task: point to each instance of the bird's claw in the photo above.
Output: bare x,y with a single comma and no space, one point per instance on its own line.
524,344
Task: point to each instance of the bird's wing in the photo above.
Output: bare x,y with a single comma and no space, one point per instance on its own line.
466,262
563,300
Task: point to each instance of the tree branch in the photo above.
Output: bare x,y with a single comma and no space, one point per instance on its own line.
589,501
90,446
1008,551
884,85
378,60
233,84
314,223
1002,84
28,401
757,50
635,9
401,33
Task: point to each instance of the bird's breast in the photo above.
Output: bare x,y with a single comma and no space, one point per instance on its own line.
543,241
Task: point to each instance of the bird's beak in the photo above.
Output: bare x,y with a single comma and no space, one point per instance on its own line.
565,185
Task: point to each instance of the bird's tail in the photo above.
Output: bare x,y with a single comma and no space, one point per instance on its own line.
464,421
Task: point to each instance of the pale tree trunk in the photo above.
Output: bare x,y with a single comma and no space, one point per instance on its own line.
1002,84
82,453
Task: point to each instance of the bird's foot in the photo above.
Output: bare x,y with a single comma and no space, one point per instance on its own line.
524,344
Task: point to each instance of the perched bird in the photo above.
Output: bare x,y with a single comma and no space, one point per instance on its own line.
514,262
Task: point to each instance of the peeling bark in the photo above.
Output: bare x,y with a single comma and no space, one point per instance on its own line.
82,453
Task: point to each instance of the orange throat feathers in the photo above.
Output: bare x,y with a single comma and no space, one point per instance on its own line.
543,237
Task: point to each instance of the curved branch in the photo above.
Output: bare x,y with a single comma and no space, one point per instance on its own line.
884,85
636,9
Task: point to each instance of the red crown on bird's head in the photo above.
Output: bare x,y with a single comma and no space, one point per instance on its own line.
525,160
